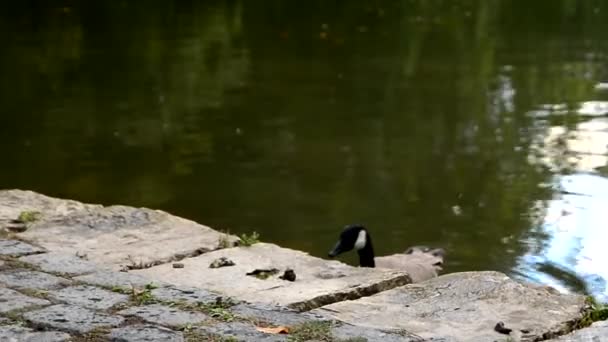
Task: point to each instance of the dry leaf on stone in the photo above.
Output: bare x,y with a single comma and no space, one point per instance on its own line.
275,330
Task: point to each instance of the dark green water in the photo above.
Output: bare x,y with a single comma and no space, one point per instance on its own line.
295,118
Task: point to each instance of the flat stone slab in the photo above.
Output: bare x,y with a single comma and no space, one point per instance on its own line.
318,281
145,333
273,315
61,263
26,279
115,236
13,300
244,331
89,297
116,279
464,307
349,332
190,295
165,315
597,332
18,248
71,318
16,333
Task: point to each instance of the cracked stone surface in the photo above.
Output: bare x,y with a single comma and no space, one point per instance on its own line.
272,314
71,318
13,300
18,248
110,235
597,332
26,279
319,281
164,315
61,263
112,279
89,296
145,333
189,295
465,307
16,333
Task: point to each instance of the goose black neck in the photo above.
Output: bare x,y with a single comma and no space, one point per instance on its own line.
366,254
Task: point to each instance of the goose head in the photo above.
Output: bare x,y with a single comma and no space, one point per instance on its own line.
355,237
420,262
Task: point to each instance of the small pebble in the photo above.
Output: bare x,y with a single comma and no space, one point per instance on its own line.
221,262
178,265
289,275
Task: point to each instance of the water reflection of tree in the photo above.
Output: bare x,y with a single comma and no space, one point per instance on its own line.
400,114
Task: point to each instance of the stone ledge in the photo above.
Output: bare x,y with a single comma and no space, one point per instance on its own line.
465,307
318,282
114,236
453,307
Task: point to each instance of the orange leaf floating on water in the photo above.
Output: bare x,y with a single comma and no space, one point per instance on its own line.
275,330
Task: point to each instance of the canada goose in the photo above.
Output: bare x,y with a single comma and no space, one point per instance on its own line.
420,262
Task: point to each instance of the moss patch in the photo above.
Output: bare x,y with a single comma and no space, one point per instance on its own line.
29,216
95,335
35,293
315,330
13,262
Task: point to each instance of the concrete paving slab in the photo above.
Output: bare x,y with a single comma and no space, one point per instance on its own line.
145,333
71,318
318,281
165,315
18,248
16,333
116,279
464,307
188,295
58,262
115,236
26,279
13,300
89,297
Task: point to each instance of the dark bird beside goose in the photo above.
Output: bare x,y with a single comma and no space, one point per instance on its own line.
420,262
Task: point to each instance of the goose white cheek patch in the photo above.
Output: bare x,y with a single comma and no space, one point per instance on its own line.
361,240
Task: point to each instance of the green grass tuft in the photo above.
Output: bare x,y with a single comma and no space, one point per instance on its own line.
140,296
248,240
596,312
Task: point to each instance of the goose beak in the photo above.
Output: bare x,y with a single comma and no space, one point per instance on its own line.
336,250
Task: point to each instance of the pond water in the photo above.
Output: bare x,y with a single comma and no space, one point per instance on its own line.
477,126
